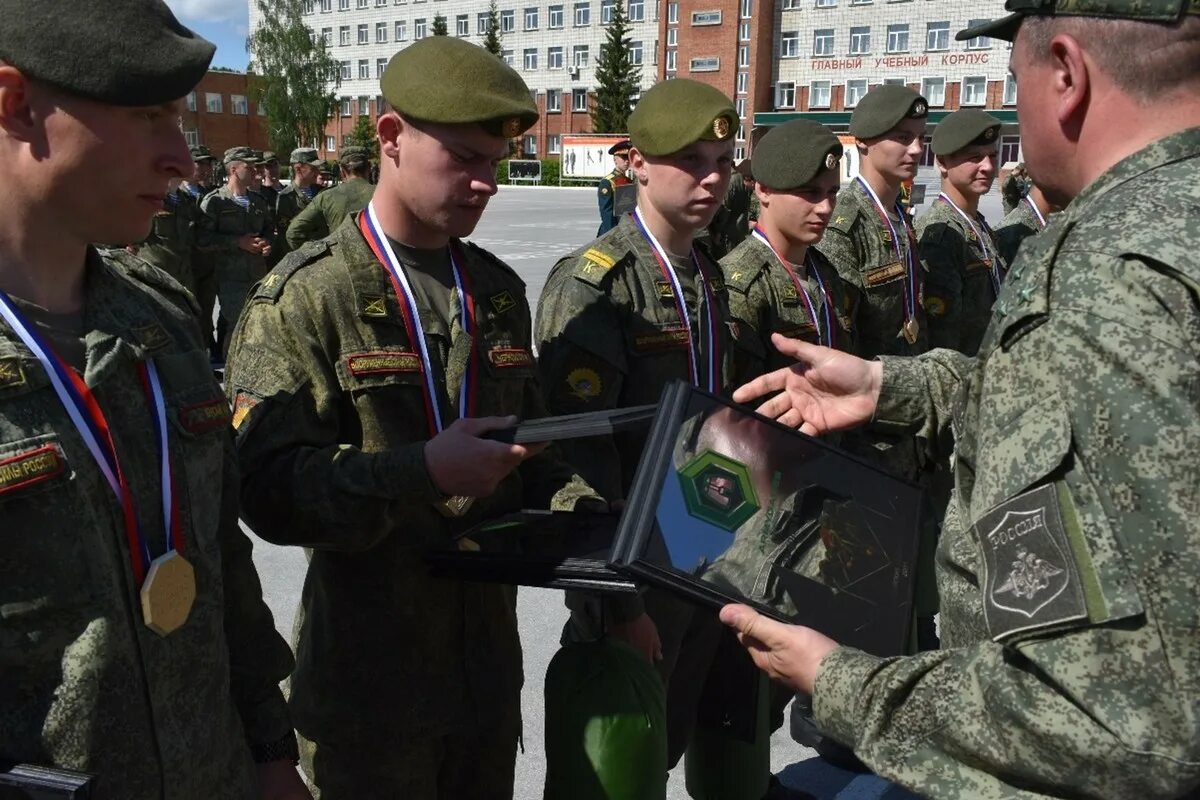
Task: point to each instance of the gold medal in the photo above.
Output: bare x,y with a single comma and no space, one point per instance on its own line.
454,507
168,593
910,329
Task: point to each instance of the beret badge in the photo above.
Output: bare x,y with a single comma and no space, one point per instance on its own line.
831,161
720,127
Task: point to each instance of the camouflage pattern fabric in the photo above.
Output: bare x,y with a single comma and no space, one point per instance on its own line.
224,221
958,288
84,684
328,210
1069,562
1019,224
1012,189
171,243
331,422
731,225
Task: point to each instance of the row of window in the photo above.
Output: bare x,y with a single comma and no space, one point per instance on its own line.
820,93
531,20
361,106
214,103
937,38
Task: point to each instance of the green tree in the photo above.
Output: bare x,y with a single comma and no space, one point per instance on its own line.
491,39
363,135
439,26
617,77
292,73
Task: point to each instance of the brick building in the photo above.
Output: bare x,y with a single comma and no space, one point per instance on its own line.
219,114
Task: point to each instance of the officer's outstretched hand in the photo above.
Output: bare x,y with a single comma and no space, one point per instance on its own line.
825,390
462,464
787,653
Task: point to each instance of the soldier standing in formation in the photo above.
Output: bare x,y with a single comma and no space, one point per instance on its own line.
268,175
1029,218
364,375
294,197
134,642
1070,560
325,213
606,189
171,243
963,265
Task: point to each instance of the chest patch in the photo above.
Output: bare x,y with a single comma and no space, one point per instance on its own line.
204,417
382,363
28,468
502,302
503,357
660,340
11,372
885,274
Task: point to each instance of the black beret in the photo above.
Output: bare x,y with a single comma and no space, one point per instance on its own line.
120,52
885,107
445,79
963,128
620,148
793,154
673,114
1160,11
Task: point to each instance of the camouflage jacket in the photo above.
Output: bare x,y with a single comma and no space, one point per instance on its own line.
223,222
331,421
327,210
959,289
172,239
1019,224
289,203
731,225
763,297
84,684
1069,565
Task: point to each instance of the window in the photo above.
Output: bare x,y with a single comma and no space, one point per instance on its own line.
238,105
672,12
635,52
309,6
672,60
739,106
706,17
380,66
554,57
553,144
979,42
556,17
330,144
507,57
743,82
343,35
895,81
364,106
462,25
420,28
785,94
937,36
481,23
508,21
1010,149
579,55
860,40
401,30
531,19
343,5
789,44
636,10
364,3
381,32
672,37
344,70
529,145
364,69
823,42
579,100
747,7
553,100
191,101
327,36
345,106
826,3
934,91
705,64
583,14
380,104
744,56
741,133
212,103
739,153
819,94
744,32
855,89
326,6
974,91
1010,90
898,38
606,11
530,58
791,5
192,138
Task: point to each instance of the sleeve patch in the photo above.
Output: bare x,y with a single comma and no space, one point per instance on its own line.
204,417
243,405
382,363
885,274
504,357
600,259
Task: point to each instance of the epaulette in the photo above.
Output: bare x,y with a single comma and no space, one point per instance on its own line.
271,287
844,220
142,271
742,272
487,255
593,263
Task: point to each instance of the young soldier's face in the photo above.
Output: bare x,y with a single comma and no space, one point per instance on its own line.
801,215
897,154
686,188
971,171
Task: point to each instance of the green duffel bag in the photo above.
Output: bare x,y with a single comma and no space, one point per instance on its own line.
606,724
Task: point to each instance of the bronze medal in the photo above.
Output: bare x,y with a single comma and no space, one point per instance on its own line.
454,507
168,593
910,329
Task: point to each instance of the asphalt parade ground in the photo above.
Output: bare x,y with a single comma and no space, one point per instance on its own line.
530,228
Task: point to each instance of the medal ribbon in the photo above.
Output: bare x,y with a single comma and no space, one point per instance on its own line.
368,225
992,265
1037,212
84,411
911,287
828,339
668,271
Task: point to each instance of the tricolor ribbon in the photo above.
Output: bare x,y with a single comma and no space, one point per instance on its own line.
988,256
802,290
668,271
911,286
1037,212
368,225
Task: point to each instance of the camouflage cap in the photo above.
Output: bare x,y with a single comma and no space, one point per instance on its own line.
268,156
445,79
353,156
245,154
673,114
201,153
304,155
1161,11
964,128
885,107
126,53
793,154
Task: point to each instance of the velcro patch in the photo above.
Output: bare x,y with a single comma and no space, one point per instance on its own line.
935,306
1031,580
885,274
382,363
374,306
502,302
717,282
152,337
790,296
11,372
602,260
504,357
207,416
34,466
666,338
665,290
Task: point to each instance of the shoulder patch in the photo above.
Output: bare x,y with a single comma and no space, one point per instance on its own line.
271,287
472,249
844,220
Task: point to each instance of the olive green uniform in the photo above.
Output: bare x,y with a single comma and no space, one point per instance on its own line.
959,289
1019,224
290,202
170,246
327,210
396,669
732,222
84,684
224,221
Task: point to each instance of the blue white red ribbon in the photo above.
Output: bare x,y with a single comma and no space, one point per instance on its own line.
1037,212
802,290
912,287
989,257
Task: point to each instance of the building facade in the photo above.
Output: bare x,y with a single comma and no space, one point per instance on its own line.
219,114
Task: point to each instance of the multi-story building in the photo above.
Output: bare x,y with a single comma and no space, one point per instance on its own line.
219,114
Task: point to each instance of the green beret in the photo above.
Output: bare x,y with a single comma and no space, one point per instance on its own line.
1160,11
793,154
304,155
885,107
201,153
124,53
963,128
673,114
445,79
240,154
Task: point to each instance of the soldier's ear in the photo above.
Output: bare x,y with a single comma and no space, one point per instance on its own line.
17,117
389,128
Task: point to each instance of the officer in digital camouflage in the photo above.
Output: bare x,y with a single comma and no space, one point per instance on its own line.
626,314
236,229
364,373
326,212
134,642
294,197
778,282
1029,218
606,188
960,252
1070,559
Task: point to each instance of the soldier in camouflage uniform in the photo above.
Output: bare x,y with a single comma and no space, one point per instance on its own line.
778,282
171,244
960,252
731,224
1070,560
364,374
268,177
325,213
294,197
96,673
1029,218
236,228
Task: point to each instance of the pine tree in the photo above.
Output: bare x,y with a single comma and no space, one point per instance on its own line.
491,40
439,26
617,77
363,135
